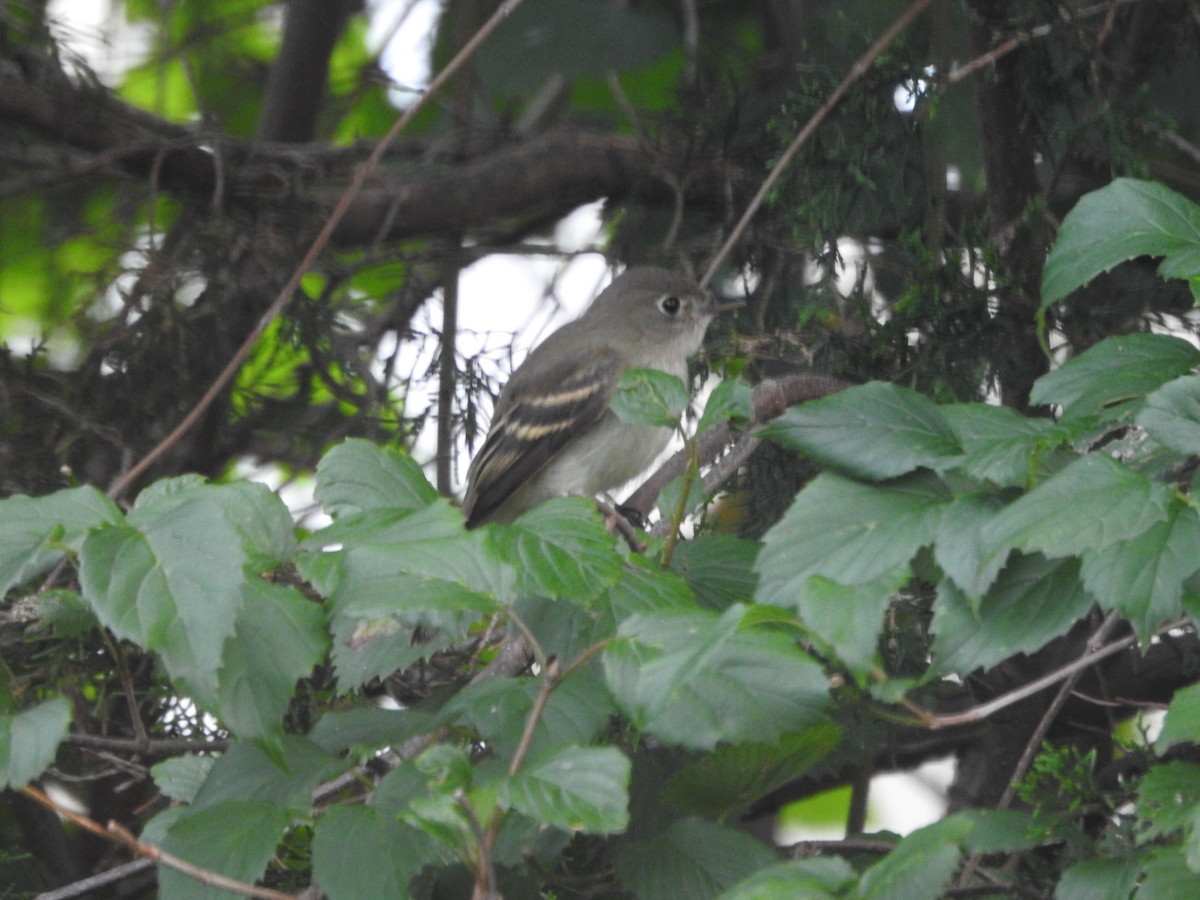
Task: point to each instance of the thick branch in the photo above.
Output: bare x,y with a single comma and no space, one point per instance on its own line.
505,183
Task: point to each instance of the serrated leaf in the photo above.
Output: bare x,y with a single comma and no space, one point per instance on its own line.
719,567
168,592
181,777
1099,879
1033,601
1126,219
1090,505
733,776
1143,577
697,679
1169,798
1171,414
874,431
1168,875
368,728
29,524
29,741
421,564
813,879
730,401
846,620
920,866
1182,723
650,397
561,549
357,475
359,853
246,771
236,838
691,858
848,532
153,582
1122,368
252,512
575,789
279,638
960,549
923,862
645,588
999,442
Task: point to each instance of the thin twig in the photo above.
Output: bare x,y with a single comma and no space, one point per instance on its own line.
277,306
100,880
860,68
135,714
155,747
984,710
118,834
1095,642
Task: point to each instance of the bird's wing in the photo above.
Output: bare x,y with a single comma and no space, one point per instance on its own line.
532,427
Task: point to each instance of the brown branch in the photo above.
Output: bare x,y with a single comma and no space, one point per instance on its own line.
422,191
97,881
153,748
770,399
120,835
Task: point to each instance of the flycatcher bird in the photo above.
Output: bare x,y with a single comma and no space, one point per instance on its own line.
552,432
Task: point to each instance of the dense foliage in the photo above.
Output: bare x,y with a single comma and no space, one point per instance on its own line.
379,703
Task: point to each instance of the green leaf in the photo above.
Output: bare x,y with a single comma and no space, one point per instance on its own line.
1090,505
847,620
561,549
1033,601
650,397
368,728
34,530
697,679
874,431
1167,876
236,838
29,741
645,588
279,638
922,864
1099,879
999,442
283,781
1171,414
359,852
181,777
1124,220
1143,577
960,549
1182,724
1121,368
1169,799
813,879
259,520
733,776
417,563
847,532
168,592
358,475
719,568
691,858
730,401
575,789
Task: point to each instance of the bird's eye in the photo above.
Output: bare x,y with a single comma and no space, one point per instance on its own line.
670,305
